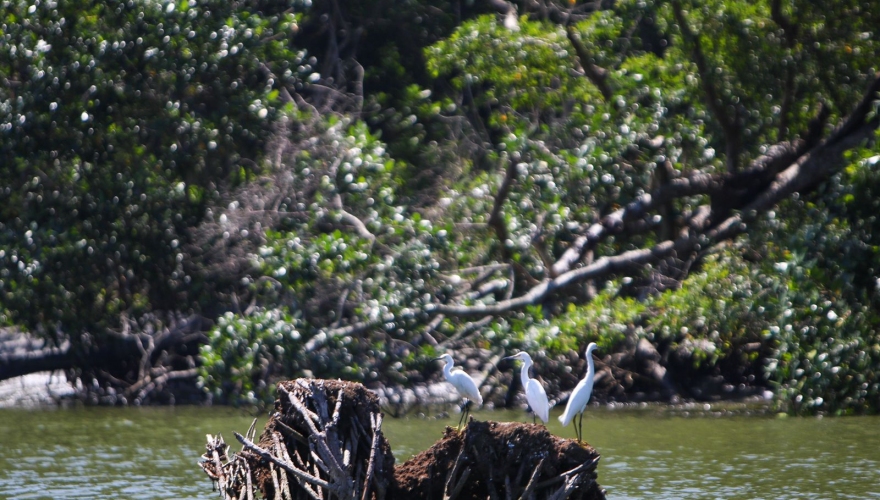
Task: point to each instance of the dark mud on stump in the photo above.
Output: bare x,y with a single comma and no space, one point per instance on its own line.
500,460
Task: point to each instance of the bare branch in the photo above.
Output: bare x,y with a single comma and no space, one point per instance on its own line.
804,173
616,221
601,267
323,336
376,425
161,380
496,221
358,225
533,480
265,455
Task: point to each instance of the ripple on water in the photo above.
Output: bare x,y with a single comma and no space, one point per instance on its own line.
152,453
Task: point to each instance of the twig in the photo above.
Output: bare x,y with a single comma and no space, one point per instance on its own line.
532,481
586,466
600,267
281,463
376,424
290,432
469,327
248,482
450,495
323,336
310,417
566,490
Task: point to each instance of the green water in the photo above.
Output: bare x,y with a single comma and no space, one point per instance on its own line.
649,453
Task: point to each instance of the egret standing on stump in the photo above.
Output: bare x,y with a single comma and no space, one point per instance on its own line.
535,394
463,383
580,396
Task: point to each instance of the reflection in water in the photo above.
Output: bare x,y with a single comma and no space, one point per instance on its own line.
650,453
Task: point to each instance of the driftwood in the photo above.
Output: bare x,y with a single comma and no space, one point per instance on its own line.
324,441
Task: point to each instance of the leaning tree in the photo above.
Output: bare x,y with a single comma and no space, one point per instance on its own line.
558,176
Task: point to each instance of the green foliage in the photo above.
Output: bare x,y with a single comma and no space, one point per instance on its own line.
142,143
118,123
329,275
604,320
723,302
525,71
244,352
828,346
761,65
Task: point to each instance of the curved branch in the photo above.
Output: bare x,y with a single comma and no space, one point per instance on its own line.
616,221
601,267
324,336
265,455
496,221
804,173
359,226
14,364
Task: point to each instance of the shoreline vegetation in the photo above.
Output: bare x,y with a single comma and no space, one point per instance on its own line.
199,199
48,388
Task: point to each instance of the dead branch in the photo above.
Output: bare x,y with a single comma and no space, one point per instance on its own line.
803,172
601,267
496,220
316,443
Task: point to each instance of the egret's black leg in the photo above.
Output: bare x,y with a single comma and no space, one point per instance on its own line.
465,411
461,409
580,427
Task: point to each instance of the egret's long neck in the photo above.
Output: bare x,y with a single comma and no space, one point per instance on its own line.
447,370
524,373
590,368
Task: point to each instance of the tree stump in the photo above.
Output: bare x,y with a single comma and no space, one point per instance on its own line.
498,460
324,441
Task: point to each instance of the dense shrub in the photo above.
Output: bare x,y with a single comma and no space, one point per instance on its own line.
119,122
348,188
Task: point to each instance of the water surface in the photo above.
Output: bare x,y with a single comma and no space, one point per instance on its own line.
145,453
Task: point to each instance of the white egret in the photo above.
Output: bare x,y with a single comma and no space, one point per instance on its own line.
463,383
580,396
535,394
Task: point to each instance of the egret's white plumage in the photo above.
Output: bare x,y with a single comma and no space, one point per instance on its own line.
580,396
535,394
463,383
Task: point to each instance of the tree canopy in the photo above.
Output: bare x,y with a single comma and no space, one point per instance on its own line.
254,190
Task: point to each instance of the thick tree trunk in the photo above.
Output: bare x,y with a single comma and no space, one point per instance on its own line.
125,364
20,354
